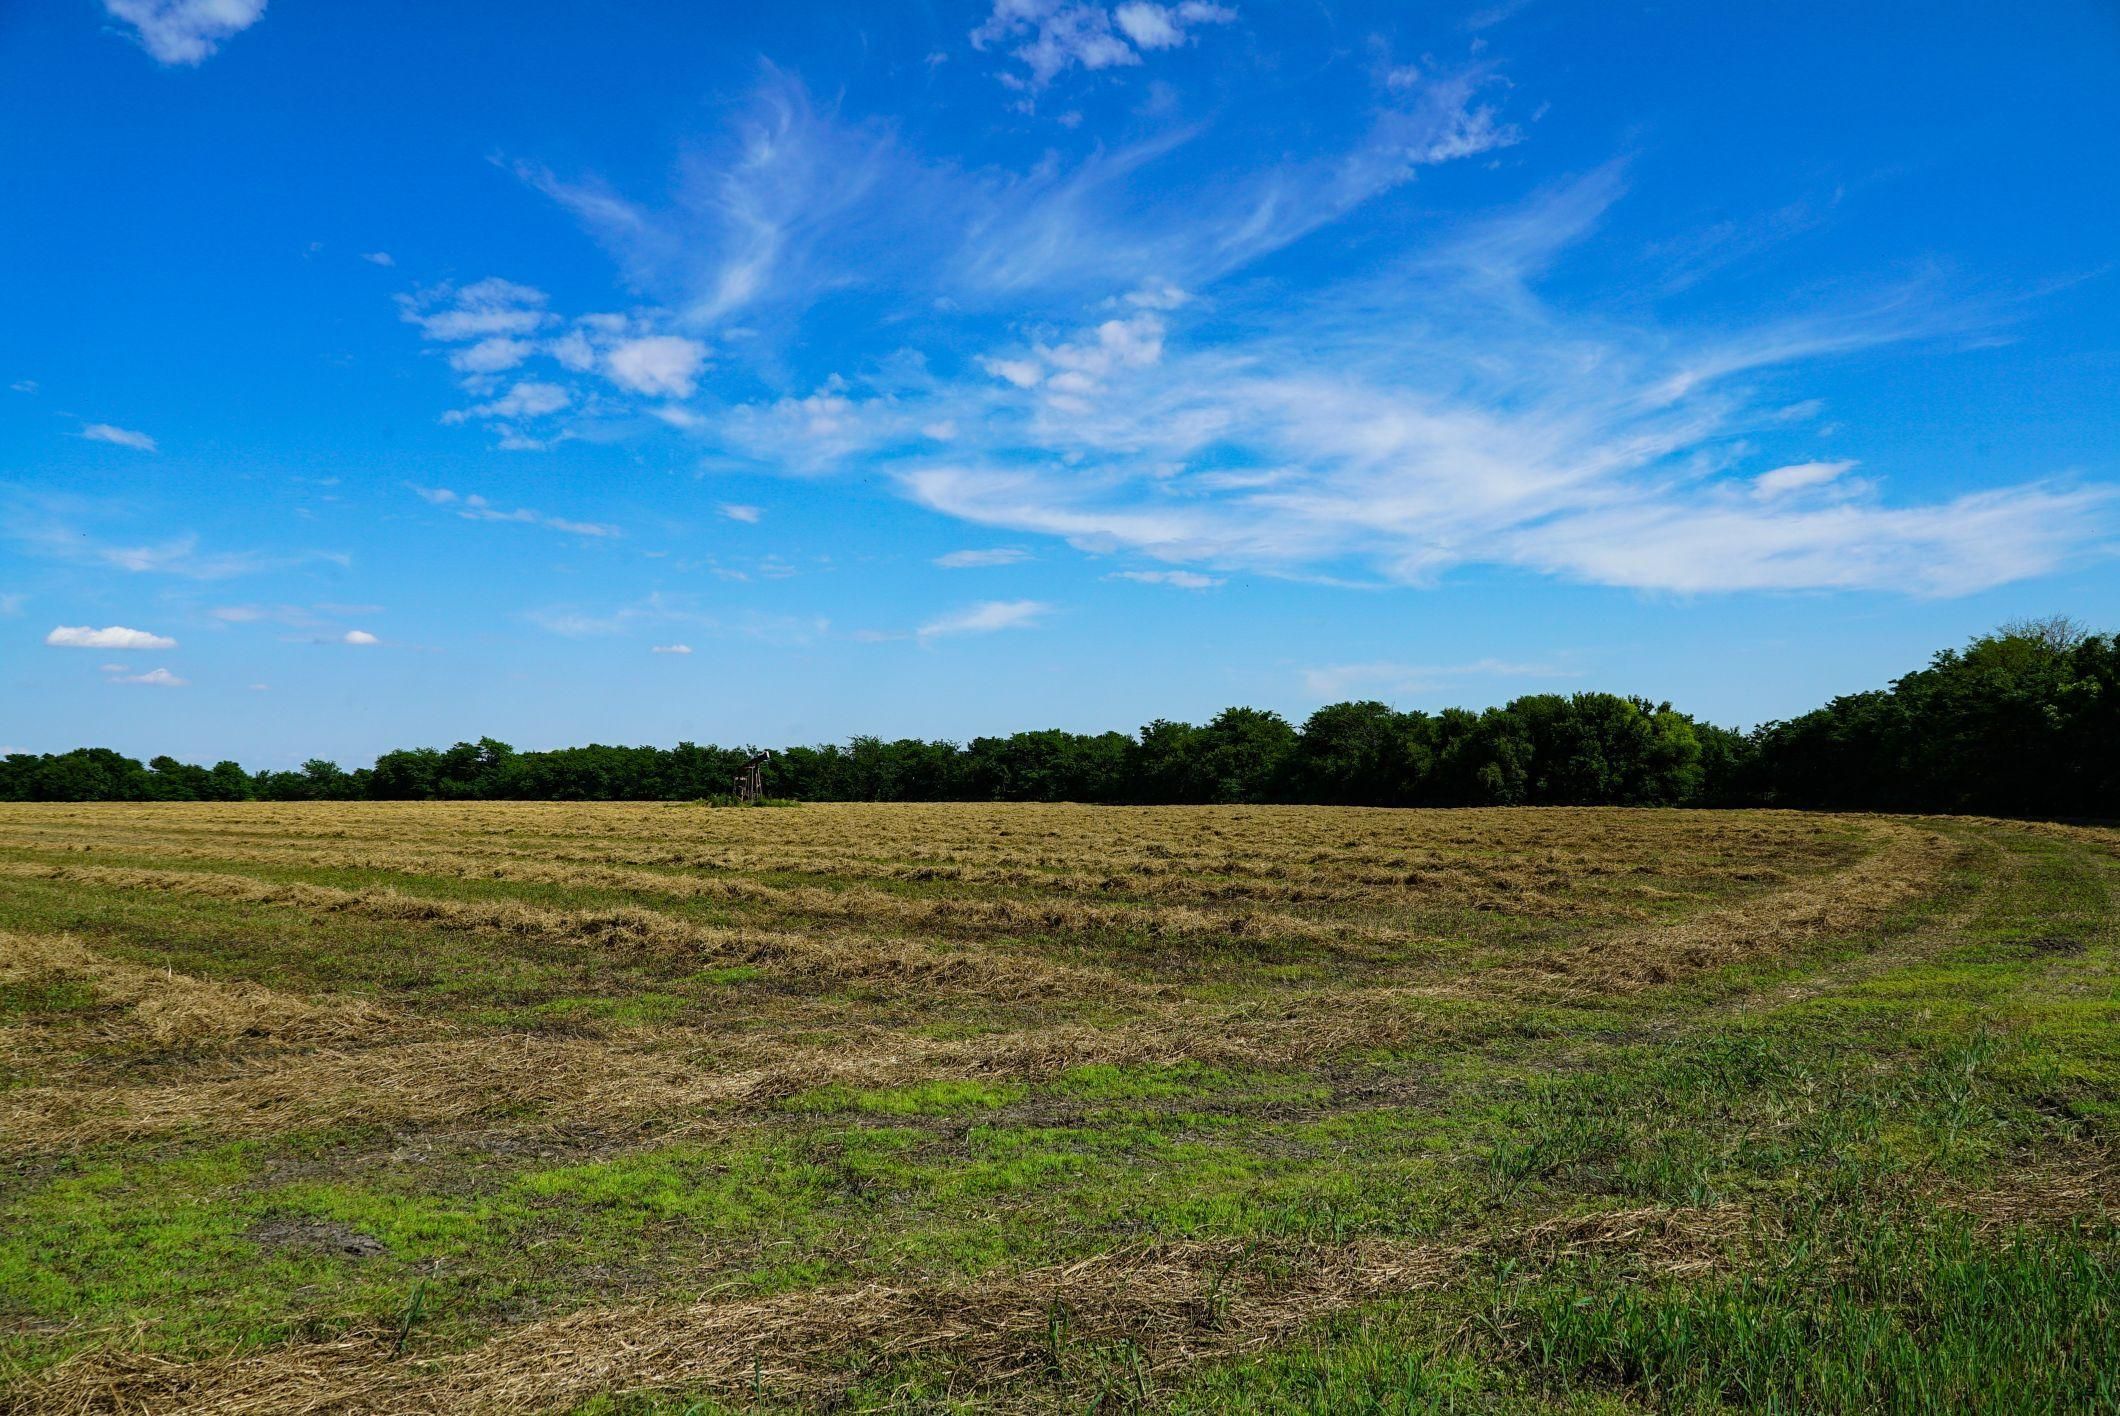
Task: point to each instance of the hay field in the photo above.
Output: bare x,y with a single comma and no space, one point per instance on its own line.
541,1107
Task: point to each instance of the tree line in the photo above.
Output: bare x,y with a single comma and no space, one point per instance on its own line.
2022,721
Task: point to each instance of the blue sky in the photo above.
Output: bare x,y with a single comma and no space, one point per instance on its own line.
386,374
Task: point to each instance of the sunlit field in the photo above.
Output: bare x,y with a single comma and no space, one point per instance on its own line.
615,1109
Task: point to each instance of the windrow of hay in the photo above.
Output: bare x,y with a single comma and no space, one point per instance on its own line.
445,1081
2078,1186
1220,849
179,1011
953,915
1904,868
1179,1303
1550,881
624,928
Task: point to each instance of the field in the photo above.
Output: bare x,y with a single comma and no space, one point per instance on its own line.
662,1108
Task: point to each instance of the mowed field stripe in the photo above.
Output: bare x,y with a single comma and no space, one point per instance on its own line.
1178,1304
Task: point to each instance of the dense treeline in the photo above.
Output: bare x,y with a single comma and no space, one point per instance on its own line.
2023,721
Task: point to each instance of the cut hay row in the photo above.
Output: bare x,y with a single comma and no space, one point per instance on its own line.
1905,869
1081,839
455,1080
1178,1304
176,1010
620,928
1416,880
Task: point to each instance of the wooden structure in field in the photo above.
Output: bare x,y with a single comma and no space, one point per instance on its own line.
750,782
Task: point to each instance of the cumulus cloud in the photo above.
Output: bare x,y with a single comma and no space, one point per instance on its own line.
153,678
120,437
660,365
736,511
491,356
359,637
985,618
980,559
185,32
1164,26
482,310
1050,37
117,636
381,258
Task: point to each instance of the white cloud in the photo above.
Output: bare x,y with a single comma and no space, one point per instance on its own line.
671,649
185,31
154,678
1057,35
738,512
1797,477
11,604
976,560
24,385
1181,579
526,399
659,365
117,636
482,310
1023,373
796,201
360,637
679,416
491,356
1445,415
985,617
381,258
1163,26
122,437
473,507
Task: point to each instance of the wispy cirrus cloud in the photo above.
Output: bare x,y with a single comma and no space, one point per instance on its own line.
797,201
118,437
184,32
986,617
982,559
473,507
1337,682
153,678
1398,428
1431,409
1176,579
665,609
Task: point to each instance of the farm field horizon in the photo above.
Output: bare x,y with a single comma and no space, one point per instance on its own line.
627,1108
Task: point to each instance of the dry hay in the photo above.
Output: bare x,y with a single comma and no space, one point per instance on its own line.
1902,870
1557,860
622,928
2080,1185
174,1010
1178,1303
434,1082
